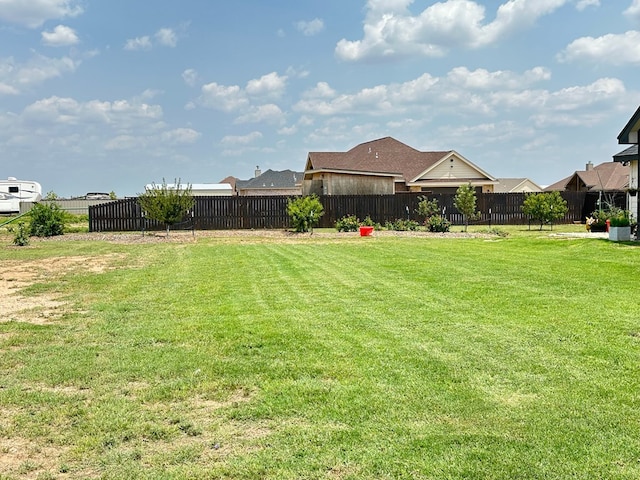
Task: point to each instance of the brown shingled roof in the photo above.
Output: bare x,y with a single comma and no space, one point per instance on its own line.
384,155
608,176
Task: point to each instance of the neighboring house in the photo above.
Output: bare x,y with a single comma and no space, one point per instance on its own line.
516,185
387,166
610,177
201,189
629,136
271,182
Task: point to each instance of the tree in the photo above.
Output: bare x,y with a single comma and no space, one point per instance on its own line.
51,195
545,207
465,202
47,220
112,195
166,204
305,212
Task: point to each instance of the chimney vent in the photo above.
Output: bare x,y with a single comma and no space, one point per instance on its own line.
258,172
589,166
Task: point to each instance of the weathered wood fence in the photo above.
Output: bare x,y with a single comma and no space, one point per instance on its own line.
270,212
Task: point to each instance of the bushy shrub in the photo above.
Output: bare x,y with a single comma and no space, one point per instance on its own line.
47,220
21,237
437,223
305,212
348,223
402,225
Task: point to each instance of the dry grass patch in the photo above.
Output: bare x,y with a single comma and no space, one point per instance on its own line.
27,459
42,309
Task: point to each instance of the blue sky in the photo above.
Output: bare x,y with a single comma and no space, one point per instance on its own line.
112,95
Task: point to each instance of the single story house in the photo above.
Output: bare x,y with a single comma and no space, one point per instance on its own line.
516,185
629,136
387,166
610,177
271,182
201,189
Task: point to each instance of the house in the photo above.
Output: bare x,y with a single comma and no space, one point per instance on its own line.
271,182
516,185
387,166
201,189
629,136
610,177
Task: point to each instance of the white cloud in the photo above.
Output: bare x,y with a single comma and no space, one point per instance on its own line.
16,77
482,79
166,37
321,90
223,98
242,139
190,77
138,43
623,49
310,28
390,31
269,113
583,4
33,13
180,136
61,36
271,85
634,10
8,89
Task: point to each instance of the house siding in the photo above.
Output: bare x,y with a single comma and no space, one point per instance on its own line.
452,168
348,184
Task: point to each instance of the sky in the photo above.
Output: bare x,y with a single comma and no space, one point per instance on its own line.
111,95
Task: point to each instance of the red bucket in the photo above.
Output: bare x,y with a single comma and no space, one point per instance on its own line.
366,231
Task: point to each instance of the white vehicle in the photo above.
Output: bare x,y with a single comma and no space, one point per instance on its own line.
14,191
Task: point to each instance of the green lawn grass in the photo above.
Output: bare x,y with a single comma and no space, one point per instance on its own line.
330,358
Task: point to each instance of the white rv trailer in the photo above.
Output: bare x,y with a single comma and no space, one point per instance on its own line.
14,191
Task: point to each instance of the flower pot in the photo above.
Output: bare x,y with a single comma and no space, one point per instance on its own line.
366,231
620,234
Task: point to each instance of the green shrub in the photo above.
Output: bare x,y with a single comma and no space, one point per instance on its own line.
402,225
427,208
305,212
348,223
47,220
438,223
21,237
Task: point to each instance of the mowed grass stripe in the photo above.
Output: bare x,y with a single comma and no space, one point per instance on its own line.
389,358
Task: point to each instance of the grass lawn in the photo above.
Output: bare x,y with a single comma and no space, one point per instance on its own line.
322,358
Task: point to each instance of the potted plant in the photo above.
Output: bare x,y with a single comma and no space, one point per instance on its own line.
620,226
597,222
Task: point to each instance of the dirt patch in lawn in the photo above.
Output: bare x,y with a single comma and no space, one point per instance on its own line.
45,308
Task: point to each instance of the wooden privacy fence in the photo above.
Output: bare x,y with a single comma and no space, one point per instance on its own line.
270,212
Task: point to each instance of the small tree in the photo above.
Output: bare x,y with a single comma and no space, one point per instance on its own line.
465,202
47,220
305,212
427,208
166,204
545,207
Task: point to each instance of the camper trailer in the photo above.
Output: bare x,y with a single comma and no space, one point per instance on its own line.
14,191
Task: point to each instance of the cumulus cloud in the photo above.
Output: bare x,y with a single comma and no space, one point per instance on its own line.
391,31
623,49
271,85
231,140
310,28
190,77
269,113
33,13
583,4
633,11
180,136
61,36
165,37
16,77
225,98
139,43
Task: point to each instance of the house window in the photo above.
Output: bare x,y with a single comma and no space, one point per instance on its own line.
14,189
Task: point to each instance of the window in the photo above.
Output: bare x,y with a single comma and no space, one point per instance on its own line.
14,189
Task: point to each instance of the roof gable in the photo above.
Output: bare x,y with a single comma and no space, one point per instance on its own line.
629,133
453,166
607,176
384,155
